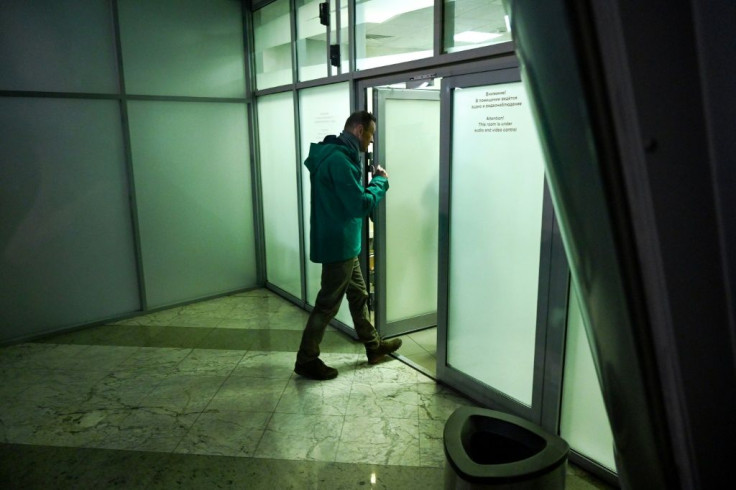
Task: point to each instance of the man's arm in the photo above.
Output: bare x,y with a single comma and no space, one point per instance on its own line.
359,202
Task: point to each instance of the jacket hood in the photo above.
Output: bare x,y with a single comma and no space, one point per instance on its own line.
319,152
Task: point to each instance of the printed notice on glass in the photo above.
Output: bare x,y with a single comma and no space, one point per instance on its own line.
499,109
322,124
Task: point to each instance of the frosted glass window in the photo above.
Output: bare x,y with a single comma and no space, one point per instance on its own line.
183,47
272,33
584,421
43,48
193,186
66,243
473,23
390,31
279,189
412,205
322,111
495,229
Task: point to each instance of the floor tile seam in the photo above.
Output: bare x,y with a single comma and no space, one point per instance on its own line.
345,415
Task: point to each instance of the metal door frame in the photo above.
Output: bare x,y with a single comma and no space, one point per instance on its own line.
552,293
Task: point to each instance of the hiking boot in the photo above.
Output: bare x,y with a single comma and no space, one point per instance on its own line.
315,369
384,348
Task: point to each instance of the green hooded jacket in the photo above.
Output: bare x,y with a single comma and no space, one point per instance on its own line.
339,200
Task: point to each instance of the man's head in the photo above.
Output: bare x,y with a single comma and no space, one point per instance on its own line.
362,124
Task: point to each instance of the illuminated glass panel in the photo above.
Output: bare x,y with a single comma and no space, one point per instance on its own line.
391,31
195,206
473,23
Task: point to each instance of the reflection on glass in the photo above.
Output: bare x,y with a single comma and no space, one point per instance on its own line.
497,190
278,182
272,37
311,41
391,31
473,23
322,111
584,422
344,36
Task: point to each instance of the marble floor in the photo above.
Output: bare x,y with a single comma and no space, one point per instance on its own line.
420,350
203,396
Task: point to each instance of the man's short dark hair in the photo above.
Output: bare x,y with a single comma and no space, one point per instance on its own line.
363,118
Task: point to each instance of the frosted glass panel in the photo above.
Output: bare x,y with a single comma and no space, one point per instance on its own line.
43,48
193,184
584,422
183,47
322,111
473,23
66,244
495,229
411,206
279,187
272,33
391,31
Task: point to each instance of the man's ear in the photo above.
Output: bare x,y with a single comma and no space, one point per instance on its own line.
358,130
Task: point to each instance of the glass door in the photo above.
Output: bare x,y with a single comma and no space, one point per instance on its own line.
502,277
406,225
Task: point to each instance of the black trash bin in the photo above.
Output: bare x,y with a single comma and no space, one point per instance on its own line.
490,449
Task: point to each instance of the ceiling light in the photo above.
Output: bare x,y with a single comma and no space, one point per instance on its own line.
475,37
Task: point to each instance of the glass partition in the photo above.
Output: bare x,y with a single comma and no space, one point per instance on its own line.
277,148
68,255
184,48
272,39
584,421
193,187
473,23
43,48
496,204
322,111
390,31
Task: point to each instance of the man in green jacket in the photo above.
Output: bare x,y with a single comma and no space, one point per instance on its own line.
339,205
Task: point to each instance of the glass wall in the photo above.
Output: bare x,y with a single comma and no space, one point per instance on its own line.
65,235
42,47
322,111
584,422
193,186
473,23
183,47
272,50
277,144
75,251
389,31
496,200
